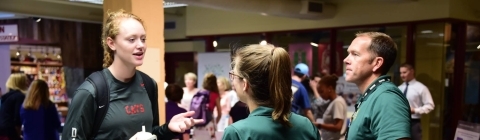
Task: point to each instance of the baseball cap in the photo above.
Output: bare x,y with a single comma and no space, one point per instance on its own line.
301,68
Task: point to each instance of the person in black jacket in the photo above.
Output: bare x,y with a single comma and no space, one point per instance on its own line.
130,108
10,121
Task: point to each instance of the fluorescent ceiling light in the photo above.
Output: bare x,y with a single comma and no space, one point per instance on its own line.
427,31
89,1
6,15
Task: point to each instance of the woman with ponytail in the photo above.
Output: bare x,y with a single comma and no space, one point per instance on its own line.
261,78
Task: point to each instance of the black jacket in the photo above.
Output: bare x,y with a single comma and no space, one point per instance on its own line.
10,113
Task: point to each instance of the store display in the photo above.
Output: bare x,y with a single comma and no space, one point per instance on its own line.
47,69
54,79
51,73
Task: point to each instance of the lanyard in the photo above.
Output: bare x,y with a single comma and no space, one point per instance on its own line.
367,92
370,89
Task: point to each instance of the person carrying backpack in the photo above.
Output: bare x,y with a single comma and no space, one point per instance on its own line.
204,103
116,102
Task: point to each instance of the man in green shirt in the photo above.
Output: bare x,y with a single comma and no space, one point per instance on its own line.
382,112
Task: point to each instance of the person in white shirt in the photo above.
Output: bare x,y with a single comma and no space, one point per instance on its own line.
418,96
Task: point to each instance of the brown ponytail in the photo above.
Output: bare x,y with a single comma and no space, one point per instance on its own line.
279,85
266,66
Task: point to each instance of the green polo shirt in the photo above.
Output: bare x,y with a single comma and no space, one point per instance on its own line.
260,126
383,114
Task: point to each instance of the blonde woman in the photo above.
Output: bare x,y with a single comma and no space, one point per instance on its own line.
189,90
39,112
10,122
224,88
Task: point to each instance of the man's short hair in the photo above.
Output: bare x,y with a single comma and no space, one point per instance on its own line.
383,46
407,65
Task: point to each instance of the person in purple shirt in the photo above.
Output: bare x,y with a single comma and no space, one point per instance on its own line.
39,115
174,95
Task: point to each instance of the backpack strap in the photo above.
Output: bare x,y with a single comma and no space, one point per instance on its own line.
102,98
152,91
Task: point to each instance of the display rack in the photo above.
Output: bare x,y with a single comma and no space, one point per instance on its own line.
52,73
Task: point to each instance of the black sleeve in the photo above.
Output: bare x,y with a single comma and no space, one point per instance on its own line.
162,132
81,112
18,104
154,103
53,114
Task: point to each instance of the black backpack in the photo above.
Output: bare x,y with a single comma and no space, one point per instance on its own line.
102,97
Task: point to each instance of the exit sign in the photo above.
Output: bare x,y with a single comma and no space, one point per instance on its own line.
8,33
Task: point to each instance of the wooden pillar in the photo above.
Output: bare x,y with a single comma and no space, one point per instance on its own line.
333,53
151,12
209,44
457,98
411,28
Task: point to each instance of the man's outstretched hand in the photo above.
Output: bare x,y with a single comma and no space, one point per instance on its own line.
181,122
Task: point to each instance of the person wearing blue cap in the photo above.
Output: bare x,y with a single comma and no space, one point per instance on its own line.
301,102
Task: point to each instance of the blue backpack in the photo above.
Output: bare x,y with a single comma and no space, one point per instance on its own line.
199,104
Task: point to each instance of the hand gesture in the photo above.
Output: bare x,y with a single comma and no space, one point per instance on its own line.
181,122
313,85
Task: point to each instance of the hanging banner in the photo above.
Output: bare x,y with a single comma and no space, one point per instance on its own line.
217,63
9,33
301,53
324,58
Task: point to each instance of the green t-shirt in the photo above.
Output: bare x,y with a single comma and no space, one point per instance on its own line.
383,114
259,125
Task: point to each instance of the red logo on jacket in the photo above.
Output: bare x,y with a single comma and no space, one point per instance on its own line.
134,109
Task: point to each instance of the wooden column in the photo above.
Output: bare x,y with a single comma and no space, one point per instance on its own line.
411,28
209,44
151,12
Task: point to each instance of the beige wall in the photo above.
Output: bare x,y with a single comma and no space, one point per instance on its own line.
178,16
204,21
465,9
185,46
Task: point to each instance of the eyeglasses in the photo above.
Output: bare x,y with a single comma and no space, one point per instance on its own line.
233,75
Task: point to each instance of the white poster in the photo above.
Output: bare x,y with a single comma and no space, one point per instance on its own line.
9,33
217,63
463,134
467,131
